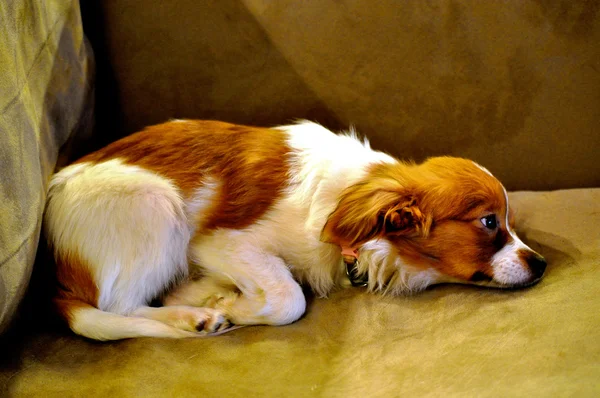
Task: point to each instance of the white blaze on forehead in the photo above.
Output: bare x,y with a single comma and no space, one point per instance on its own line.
512,234
484,169
508,267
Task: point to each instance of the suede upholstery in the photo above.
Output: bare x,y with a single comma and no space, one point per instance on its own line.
447,341
513,85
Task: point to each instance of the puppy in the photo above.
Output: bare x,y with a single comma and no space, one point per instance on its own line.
257,212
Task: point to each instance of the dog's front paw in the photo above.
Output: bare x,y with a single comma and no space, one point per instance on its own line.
212,321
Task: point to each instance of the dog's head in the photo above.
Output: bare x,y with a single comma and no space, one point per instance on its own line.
448,218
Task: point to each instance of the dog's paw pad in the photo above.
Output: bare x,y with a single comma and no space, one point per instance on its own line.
219,327
213,321
200,325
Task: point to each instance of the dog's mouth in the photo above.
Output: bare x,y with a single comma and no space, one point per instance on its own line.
522,285
496,285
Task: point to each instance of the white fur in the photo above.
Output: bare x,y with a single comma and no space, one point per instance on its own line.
508,268
389,273
127,223
269,293
324,166
200,201
102,325
483,169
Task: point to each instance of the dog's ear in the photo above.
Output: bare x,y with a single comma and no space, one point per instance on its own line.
366,212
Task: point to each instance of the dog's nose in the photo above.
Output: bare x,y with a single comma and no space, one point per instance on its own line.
537,265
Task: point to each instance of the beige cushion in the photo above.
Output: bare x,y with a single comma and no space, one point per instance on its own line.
446,341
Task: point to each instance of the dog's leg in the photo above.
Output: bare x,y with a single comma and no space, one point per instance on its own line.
188,318
203,292
121,236
268,294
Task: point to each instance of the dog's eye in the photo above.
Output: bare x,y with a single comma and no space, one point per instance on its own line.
490,222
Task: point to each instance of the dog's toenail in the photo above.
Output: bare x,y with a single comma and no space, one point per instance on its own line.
225,325
200,325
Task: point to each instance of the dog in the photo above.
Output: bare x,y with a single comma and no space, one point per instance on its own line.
226,222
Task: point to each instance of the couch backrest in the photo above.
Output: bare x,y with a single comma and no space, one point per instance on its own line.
514,85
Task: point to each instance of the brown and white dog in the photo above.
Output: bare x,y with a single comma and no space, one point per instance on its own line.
259,211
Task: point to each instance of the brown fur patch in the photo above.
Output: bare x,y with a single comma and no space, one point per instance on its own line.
454,188
378,206
454,248
250,164
76,286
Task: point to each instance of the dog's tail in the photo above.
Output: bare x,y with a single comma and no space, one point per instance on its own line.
88,321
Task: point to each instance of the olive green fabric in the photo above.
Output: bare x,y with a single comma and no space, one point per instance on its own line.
512,84
44,89
447,341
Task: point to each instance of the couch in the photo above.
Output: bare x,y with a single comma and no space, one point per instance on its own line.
513,85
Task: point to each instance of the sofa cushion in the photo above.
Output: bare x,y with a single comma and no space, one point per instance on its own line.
447,341
44,89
